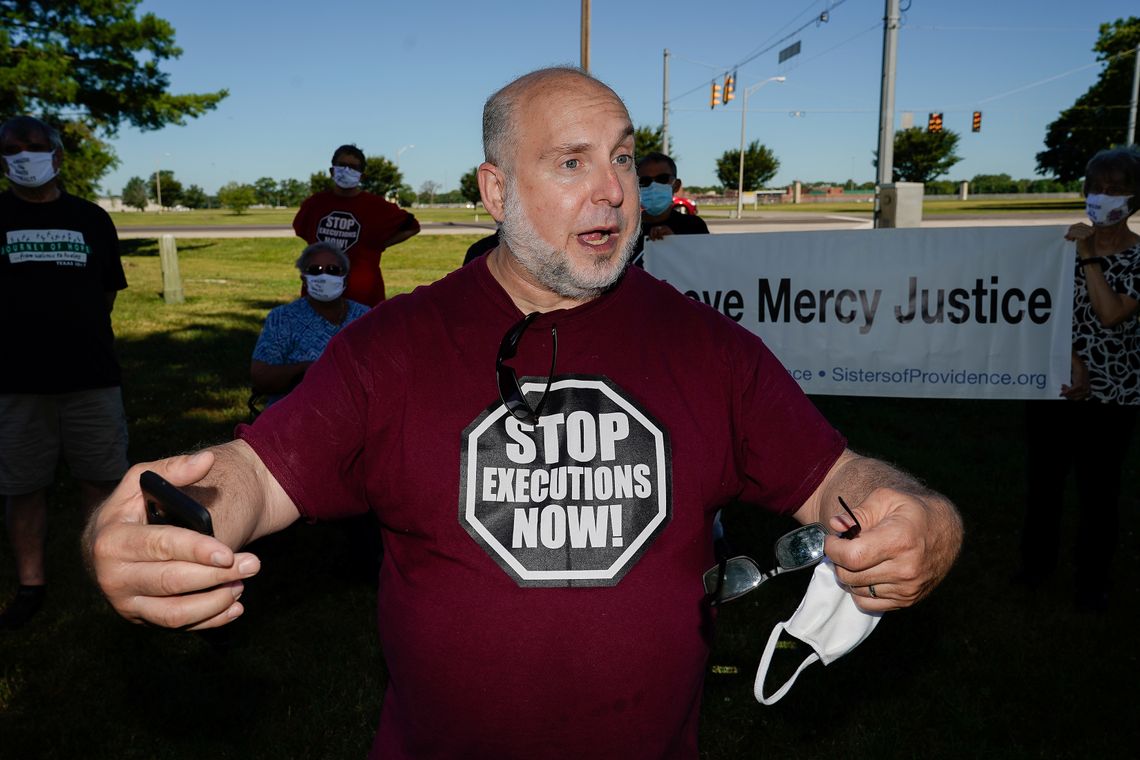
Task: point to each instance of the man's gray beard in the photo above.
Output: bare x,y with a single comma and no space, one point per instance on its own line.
551,266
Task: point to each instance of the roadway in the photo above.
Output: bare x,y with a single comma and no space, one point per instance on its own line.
760,221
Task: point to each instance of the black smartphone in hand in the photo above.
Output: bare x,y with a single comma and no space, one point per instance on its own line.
167,505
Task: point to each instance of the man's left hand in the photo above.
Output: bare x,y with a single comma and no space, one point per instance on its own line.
906,546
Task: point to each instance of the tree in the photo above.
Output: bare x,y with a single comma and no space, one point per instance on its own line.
648,140
405,195
195,197
922,156
265,189
381,176
134,193
237,197
1099,118
428,190
469,185
170,187
291,192
87,67
319,182
760,165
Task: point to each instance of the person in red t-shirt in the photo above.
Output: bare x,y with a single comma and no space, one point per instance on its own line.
361,224
546,529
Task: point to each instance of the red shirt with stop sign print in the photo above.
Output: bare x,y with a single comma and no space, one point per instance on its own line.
359,225
540,594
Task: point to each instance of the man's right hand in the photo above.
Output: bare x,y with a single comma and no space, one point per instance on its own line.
160,574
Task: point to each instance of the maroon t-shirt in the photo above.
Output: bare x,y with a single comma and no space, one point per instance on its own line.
359,225
541,594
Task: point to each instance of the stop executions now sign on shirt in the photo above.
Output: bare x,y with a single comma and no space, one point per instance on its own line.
339,228
574,500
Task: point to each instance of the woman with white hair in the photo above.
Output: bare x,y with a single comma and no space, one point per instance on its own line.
296,334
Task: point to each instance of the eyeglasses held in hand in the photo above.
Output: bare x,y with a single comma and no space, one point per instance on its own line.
661,179
732,578
510,392
336,270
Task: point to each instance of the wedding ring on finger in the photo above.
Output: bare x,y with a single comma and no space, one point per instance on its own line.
871,588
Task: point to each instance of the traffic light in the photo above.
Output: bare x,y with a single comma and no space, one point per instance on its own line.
934,123
977,126
729,87
715,95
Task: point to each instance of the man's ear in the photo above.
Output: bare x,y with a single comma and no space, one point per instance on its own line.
676,186
492,188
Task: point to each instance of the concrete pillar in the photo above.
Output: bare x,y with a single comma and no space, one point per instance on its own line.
171,277
900,204
797,191
964,190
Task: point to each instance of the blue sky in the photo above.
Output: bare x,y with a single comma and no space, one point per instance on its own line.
305,77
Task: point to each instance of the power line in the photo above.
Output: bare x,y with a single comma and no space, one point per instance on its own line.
748,59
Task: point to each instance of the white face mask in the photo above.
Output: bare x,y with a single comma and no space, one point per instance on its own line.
345,177
324,287
827,619
1106,210
30,169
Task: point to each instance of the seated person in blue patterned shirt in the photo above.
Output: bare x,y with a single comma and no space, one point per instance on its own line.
295,334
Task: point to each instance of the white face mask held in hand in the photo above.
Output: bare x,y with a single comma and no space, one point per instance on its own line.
827,619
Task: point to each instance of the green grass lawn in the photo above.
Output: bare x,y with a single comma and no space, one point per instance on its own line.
276,216
978,670
284,217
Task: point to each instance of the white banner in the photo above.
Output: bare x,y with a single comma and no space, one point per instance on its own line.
974,312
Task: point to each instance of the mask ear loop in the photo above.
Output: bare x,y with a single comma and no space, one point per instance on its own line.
766,661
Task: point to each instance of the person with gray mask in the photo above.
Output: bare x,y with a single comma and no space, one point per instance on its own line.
358,222
60,390
1089,432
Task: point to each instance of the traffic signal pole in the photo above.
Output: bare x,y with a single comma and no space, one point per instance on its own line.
886,160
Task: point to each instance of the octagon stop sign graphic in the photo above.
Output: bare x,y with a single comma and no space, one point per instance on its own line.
574,500
339,228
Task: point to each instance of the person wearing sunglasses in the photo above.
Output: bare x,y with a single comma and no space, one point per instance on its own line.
361,224
547,520
295,334
660,217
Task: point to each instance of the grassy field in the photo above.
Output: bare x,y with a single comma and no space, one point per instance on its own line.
978,670
275,216
284,217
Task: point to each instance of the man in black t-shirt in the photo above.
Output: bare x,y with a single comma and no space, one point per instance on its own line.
657,178
59,392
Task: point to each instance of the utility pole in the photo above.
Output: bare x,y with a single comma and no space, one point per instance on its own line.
586,36
665,107
886,160
1131,136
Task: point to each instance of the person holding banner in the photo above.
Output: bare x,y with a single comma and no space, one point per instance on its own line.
1091,431
546,528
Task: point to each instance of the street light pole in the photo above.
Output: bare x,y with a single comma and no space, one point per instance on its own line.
743,113
401,150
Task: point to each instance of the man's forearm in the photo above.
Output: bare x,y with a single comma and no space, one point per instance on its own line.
244,499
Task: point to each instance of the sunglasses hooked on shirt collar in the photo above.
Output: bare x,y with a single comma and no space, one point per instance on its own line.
336,270
661,179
